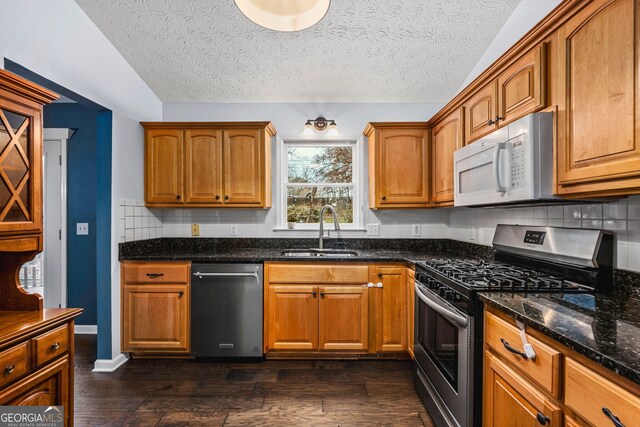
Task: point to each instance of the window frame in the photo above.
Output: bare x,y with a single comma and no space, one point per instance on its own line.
284,181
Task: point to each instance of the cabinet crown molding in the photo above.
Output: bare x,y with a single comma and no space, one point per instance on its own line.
26,89
271,130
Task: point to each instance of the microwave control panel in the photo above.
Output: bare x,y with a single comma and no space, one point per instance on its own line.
517,163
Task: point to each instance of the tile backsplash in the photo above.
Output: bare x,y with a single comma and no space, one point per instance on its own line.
475,225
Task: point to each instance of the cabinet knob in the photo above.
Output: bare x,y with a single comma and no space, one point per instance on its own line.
314,293
615,420
180,294
217,197
542,419
321,294
380,275
491,122
226,197
384,197
9,369
178,197
55,346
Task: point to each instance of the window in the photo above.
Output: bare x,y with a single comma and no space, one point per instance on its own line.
315,174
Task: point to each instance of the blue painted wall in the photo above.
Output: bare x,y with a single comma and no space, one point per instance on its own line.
81,203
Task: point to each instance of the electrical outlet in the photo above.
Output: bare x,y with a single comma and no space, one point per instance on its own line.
416,230
195,230
82,228
373,229
472,233
233,230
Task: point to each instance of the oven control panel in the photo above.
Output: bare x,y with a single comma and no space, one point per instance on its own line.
534,237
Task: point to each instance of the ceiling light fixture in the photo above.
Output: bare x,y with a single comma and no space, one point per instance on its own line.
320,124
290,15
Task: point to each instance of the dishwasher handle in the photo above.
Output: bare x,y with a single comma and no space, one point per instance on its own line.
201,275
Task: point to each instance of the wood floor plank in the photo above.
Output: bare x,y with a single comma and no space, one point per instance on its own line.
295,405
107,403
342,420
252,375
392,388
310,389
373,404
115,419
188,419
200,404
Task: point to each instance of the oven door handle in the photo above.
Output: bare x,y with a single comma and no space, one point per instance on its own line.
460,320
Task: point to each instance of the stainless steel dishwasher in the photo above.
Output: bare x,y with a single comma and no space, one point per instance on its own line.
226,310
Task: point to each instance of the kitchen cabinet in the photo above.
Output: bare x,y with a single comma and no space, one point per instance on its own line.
509,400
208,164
557,384
390,309
518,90
315,308
411,300
446,137
598,150
399,165
155,307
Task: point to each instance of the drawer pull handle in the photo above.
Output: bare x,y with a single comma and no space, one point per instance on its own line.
542,419
9,369
615,420
55,346
513,350
154,275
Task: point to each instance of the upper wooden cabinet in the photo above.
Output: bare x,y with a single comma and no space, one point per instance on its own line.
446,137
399,165
519,90
208,164
599,110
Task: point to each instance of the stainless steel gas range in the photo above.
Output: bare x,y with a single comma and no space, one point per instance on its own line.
448,325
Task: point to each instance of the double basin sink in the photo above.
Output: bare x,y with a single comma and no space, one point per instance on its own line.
323,253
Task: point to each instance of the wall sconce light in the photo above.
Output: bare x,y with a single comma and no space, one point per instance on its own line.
320,124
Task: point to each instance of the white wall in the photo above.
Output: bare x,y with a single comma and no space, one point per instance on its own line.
526,14
55,39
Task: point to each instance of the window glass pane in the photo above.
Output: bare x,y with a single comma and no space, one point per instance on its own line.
304,204
320,164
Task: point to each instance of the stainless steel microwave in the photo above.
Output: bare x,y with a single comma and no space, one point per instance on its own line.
513,165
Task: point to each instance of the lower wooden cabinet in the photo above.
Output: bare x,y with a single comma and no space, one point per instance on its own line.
411,298
335,308
156,307
47,387
510,400
523,392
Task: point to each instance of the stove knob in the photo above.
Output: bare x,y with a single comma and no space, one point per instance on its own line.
448,295
442,291
434,285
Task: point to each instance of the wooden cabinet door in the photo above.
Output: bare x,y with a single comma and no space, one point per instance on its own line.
292,317
480,113
344,318
163,166
244,171
402,168
203,167
521,87
599,125
411,298
20,167
446,137
390,305
155,318
509,400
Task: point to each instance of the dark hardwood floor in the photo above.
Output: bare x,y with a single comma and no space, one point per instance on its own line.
271,393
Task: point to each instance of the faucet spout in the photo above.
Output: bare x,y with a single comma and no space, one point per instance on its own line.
336,224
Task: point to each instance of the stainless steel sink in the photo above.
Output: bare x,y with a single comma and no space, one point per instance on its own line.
314,252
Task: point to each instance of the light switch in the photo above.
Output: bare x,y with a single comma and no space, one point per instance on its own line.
82,228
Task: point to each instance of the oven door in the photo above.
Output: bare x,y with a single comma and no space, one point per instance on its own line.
443,351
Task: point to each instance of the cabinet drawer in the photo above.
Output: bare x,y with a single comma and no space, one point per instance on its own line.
588,393
156,272
544,369
52,344
14,363
305,273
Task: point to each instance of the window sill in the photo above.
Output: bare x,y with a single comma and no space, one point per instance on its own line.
316,231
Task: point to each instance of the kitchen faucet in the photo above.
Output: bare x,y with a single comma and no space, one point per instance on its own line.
335,222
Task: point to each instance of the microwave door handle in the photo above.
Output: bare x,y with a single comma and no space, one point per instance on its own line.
460,320
496,167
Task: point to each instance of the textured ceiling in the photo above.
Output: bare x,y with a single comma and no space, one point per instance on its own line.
362,51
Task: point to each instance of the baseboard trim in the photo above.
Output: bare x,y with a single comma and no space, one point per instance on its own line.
86,329
109,365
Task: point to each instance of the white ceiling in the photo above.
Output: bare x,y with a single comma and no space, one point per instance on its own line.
362,51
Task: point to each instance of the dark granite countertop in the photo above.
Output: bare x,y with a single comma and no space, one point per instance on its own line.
260,250
604,328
